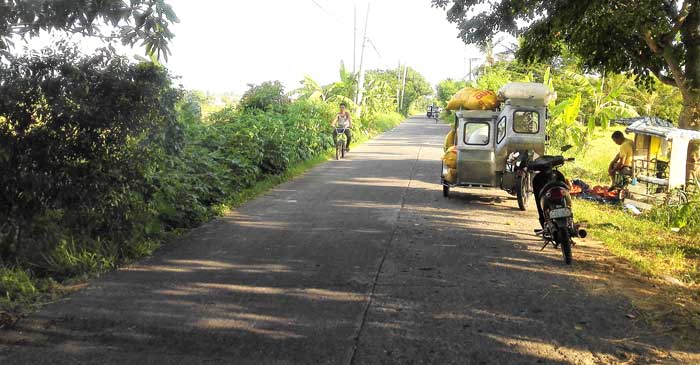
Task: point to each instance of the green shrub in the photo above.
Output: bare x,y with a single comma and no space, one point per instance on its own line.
382,121
232,152
267,96
69,259
685,216
16,285
78,136
103,159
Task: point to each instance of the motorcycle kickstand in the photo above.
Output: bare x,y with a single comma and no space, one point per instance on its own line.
546,243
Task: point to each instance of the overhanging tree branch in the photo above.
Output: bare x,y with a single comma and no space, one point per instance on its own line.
664,79
679,20
150,19
671,61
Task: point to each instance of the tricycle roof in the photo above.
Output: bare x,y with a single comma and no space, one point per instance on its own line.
657,127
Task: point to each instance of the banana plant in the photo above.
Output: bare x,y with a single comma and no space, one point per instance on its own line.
564,126
379,97
312,90
339,91
603,102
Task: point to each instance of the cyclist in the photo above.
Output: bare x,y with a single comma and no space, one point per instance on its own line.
342,120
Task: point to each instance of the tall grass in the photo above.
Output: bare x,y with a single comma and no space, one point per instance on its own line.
593,159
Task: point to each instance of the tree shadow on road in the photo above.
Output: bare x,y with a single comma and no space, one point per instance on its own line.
286,279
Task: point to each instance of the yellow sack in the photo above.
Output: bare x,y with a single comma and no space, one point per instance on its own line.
450,157
453,104
451,176
481,100
458,99
449,140
473,99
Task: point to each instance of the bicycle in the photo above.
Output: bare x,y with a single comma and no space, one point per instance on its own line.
340,143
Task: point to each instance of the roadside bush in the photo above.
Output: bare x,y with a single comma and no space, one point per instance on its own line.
381,121
234,150
685,216
267,96
16,285
103,158
78,135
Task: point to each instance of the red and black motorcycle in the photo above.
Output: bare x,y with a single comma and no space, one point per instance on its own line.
554,204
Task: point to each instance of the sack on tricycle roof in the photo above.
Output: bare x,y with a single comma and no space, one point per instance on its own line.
473,99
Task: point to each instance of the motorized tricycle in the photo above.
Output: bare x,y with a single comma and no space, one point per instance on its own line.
494,146
433,112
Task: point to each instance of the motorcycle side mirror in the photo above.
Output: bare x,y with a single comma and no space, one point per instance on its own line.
566,148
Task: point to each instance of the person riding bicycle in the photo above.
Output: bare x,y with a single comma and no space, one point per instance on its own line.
342,120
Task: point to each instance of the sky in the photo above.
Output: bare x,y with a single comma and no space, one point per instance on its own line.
223,45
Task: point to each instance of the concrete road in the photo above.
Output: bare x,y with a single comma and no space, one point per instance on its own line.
359,261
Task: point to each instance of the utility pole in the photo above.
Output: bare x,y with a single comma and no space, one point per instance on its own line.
354,39
470,69
361,82
398,88
403,85
471,73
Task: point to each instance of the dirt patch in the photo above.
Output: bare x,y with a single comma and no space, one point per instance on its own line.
667,306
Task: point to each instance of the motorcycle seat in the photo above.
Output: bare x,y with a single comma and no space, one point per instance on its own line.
545,163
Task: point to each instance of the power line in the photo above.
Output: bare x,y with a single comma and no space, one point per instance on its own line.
342,21
374,47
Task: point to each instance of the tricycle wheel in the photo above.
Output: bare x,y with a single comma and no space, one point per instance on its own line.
522,191
445,191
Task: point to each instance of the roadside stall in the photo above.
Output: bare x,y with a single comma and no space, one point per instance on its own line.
660,161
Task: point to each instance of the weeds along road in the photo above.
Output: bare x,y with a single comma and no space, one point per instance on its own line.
358,261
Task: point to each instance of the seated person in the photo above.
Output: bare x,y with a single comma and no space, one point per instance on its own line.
622,163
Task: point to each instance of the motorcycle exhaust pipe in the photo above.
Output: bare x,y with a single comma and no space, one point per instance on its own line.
582,233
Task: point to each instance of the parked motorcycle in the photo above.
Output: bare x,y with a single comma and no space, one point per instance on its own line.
554,204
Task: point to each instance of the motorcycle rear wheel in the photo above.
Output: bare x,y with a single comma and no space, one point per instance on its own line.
563,238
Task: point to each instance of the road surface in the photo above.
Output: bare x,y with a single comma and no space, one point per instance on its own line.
359,261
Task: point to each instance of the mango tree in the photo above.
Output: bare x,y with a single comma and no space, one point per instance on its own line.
644,37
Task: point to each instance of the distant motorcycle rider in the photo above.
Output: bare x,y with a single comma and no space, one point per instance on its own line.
342,120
